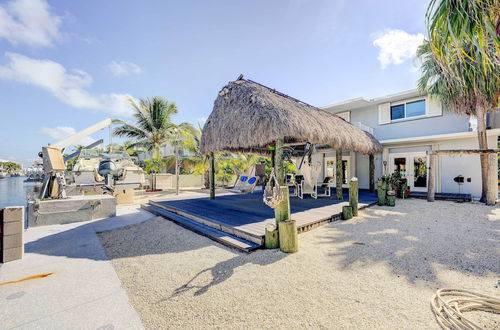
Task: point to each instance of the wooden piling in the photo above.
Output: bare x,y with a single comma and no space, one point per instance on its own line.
353,196
288,236
271,240
381,193
346,212
282,211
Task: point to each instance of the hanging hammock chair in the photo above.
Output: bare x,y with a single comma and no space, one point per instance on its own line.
272,194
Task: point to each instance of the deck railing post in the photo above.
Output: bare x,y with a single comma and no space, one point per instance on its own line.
339,174
211,177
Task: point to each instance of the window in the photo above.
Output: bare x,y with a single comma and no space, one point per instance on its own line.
408,110
398,111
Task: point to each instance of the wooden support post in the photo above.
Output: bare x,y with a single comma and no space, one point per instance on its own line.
339,174
346,212
212,176
492,179
431,177
288,236
271,240
372,172
381,191
177,169
353,196
282,211
278,162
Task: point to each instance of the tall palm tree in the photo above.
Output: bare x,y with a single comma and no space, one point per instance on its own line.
153,127
461,62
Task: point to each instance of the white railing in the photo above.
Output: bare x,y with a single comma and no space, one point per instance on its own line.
363,127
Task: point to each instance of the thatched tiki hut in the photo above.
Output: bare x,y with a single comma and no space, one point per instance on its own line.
247,117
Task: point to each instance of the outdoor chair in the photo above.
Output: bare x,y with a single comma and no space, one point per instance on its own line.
303,188
244,185
325,186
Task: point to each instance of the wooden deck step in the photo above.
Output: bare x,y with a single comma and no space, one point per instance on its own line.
213,223
199,228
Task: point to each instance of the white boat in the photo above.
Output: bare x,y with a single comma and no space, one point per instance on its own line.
4,174
34,172
126,175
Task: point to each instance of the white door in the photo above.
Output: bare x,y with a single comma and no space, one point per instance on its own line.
413,167
330,169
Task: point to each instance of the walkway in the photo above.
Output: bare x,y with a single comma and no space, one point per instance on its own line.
83,290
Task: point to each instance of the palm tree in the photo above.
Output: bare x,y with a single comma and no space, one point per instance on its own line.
153,127
194,160
461,62
78,147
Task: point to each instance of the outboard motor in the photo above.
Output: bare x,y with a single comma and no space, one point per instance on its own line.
107,168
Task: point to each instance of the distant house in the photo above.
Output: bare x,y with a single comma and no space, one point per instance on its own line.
408,124
165,151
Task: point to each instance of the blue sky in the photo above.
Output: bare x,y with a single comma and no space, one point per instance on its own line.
65,65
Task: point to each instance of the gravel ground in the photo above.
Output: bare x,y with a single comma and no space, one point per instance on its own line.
378,270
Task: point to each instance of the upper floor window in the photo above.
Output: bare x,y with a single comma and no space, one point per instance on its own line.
408,110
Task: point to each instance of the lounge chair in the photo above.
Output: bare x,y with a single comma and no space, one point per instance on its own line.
244,185
291,183
304,188
325,186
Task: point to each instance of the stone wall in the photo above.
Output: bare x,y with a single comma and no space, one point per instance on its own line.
11,233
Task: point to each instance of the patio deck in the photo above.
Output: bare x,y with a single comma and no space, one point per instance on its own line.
246,216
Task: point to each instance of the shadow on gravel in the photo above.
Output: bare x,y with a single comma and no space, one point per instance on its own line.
223,270
460,237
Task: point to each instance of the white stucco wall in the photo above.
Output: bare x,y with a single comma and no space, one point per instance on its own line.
468,166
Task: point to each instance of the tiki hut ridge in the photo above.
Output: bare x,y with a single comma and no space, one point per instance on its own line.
248,116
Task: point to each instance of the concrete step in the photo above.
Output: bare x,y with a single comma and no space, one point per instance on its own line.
212,233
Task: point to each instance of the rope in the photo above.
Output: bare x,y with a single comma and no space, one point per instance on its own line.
272,195
448,305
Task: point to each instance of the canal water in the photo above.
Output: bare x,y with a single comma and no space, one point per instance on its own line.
14,191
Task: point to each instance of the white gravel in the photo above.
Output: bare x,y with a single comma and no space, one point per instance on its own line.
378,270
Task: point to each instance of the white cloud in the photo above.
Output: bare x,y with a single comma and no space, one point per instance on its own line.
124,68
67,86
396,46
61,132
29,22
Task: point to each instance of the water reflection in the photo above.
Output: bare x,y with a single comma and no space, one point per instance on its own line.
15,192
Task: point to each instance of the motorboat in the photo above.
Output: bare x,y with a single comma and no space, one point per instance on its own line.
34,173
4,174
125,174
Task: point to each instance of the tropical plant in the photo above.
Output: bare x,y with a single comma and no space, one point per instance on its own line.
461,62
130,149
78,147
154,127
10,167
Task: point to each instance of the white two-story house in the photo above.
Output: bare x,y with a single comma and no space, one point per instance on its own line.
408,124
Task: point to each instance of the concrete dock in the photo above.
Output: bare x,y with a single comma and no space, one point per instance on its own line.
73,285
